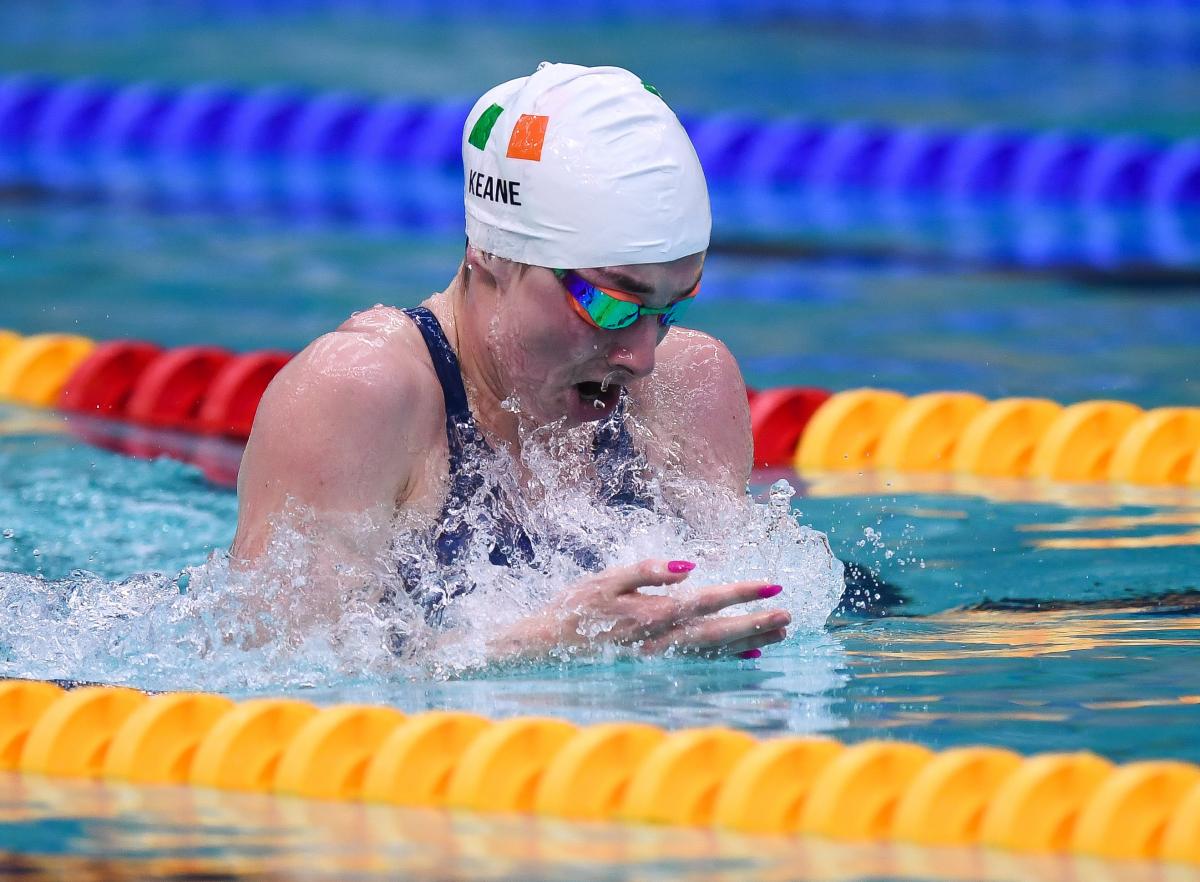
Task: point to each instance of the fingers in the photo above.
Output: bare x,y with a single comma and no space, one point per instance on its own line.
719,632
709,600
758,641
706,601
657,621
625,580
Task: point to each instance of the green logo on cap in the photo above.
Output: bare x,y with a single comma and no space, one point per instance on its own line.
483,126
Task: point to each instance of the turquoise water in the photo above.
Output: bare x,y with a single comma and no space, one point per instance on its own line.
93,832
1032,617
981,652
176,279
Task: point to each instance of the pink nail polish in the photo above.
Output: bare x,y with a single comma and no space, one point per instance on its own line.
770,590
751,653
680,566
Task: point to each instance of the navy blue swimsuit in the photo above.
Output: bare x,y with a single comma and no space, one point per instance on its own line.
473,506
618,465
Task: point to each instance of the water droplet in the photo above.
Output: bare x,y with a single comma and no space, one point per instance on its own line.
781,494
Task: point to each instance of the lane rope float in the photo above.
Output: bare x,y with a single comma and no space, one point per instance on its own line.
209,391
397,160
222,135
962,433
724,779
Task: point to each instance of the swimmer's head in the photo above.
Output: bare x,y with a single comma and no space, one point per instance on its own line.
576,167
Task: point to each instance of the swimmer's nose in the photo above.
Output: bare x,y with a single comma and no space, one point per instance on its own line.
633,347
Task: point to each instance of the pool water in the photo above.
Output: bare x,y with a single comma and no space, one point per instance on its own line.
1033,616
87,832
1036,617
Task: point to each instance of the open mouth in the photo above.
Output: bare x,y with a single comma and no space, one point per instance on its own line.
601,396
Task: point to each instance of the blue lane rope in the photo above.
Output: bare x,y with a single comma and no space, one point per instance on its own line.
52,132
1095,198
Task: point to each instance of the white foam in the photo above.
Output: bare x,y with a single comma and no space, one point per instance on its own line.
273,627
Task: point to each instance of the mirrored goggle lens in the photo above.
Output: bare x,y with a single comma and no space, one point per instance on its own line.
609,312
676,310
612,309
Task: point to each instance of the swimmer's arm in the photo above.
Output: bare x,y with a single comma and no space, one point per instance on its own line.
333,449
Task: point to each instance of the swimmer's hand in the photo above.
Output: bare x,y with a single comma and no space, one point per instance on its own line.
609,609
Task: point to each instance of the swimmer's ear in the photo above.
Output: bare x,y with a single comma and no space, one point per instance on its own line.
472,257
498,272
479,266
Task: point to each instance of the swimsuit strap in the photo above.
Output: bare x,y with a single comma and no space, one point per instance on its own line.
616,461
616,457
460,424
466,446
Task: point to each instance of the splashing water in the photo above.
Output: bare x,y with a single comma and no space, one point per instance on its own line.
277,627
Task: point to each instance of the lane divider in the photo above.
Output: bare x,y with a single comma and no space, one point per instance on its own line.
230,400
778,418
35,369
170,389
102,383
845,431
873,791
964,433
398,160
198,389
70,134
210,391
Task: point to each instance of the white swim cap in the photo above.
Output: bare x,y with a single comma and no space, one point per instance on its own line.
578,167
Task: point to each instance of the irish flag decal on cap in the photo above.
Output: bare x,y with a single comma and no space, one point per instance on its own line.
527,137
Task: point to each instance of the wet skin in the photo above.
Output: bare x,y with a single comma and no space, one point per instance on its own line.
356,423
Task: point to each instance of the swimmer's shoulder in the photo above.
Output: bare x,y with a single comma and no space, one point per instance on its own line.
698,365
374,361
694,404
357,404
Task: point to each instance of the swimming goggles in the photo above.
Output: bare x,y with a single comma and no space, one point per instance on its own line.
610,309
